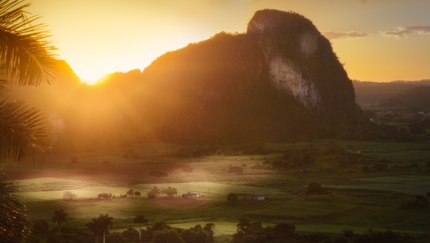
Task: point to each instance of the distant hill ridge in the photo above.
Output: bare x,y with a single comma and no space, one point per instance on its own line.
368,92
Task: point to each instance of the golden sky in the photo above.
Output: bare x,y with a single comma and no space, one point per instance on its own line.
377,40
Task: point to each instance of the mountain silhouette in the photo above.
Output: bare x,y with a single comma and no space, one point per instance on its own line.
278,81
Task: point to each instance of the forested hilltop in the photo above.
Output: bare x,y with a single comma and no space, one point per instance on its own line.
278,81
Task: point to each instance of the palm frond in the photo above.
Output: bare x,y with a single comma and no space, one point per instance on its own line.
23,130
14,223
24,48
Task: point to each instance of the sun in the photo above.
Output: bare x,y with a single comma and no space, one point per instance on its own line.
90,77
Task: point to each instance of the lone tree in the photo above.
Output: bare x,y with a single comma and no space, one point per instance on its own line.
69,196
170,191
59,217
130,193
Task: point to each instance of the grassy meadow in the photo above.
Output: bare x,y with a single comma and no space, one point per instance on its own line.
361,194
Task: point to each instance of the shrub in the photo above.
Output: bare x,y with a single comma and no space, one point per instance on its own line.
315,189
232,197
69,195
130,192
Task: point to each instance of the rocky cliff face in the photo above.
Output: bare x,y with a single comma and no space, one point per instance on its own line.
294,50
286,75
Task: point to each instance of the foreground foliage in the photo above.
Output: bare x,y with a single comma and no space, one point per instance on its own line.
247,231
14,224
25,59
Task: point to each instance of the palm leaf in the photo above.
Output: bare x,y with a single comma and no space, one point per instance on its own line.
24,49
23,130
14,224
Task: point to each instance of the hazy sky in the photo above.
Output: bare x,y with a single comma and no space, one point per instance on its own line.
377,40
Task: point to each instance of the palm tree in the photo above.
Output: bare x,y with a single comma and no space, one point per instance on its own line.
100,226
25,59
140,219
243,225
59,217
93,227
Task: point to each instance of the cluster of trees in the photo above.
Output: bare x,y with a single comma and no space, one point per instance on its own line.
98,230
253,232
170,192
408,106
305,156
249,231
130,193
295,157
154,192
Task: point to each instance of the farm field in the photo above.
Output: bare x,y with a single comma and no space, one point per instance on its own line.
358,195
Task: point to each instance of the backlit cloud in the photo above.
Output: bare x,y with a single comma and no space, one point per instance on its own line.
368,1
403,32
344,35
